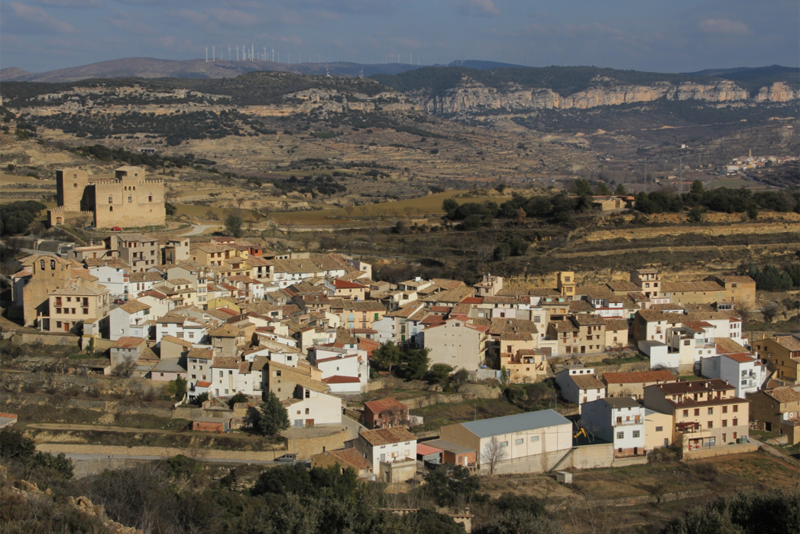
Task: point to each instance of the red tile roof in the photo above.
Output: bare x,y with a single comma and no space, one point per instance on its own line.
337,379
383,405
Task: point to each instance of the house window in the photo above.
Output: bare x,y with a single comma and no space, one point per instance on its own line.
110,200
697,411
686,413
635,433
130,199
504,444
710,424
724,409
711,411
735,408
724,422
659,429
519,441
735,422
534,439
620,435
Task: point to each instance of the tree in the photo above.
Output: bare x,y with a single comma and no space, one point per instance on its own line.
602,189
500,187
583,188
237,399
177,388
697,188
492,454
233,225
387,356
438,372
171,209
274,416
620,190
415,363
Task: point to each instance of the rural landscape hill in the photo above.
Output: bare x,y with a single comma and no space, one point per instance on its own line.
146,67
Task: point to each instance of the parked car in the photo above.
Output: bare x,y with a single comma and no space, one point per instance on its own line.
289,458
119,301
116,229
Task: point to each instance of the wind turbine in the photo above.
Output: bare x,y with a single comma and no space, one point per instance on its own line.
237,52
265,53
229,52
273,54
206,54
213,53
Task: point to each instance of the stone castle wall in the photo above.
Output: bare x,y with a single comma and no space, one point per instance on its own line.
126,201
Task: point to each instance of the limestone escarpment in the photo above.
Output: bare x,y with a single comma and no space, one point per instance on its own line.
473,97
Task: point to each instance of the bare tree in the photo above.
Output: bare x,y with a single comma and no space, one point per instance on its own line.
363,208
408,210
349,210
492,454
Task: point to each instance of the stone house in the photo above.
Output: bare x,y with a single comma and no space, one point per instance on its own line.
391,452
580,385
783,352
777,410
385,413
632,383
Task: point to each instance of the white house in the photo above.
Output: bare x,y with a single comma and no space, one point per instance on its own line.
742,371
339,364
580,385
181,327
160,304
113,278
617,420
129,320
387,449
312,405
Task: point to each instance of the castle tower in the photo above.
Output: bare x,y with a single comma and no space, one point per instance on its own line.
70,185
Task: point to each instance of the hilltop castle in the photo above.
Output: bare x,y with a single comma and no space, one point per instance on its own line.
127,200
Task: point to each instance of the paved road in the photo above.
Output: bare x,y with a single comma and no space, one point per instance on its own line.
84,457
198,229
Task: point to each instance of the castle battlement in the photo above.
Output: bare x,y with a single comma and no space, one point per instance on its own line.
127,200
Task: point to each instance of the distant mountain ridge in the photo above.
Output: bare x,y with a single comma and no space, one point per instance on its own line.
145,67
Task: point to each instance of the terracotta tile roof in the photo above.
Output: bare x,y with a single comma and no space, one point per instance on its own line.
133,306
587,382
384,405
177,341
129,342
351,458
637,377
226,330
616,324
784,394
201,353
580,306
788,342
346,284
472,300
588,320
148,276
691,287
728,346
338,379
226,362
695,386
384,436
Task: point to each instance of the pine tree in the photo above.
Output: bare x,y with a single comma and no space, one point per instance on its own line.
274,416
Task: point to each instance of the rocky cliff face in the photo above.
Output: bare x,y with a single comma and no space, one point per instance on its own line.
472,97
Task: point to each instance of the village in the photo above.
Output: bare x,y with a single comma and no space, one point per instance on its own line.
223,318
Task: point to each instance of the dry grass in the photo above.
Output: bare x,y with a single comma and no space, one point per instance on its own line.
430,205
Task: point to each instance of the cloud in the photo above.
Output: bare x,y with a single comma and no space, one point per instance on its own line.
189,15
233,18
723,27
71,3
38,17
131,24
479,8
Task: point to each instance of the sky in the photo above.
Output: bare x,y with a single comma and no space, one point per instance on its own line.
663,36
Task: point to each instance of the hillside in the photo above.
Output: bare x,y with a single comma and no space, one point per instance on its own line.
145,67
